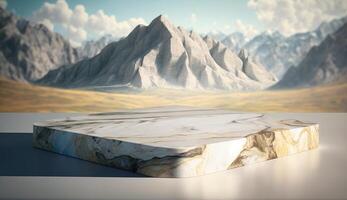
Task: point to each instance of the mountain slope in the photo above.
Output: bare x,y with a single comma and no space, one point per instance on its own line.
158,55
241,65
278,53
323,64
28,51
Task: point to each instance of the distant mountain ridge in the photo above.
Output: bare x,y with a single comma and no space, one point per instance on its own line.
162,55
93,47
277,52
29,50
325,63
234,41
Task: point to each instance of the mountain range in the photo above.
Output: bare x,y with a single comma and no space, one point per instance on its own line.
93,47
162,55
323,64
29,50
234,41
278,52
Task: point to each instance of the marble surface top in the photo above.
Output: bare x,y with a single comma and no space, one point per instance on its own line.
171,128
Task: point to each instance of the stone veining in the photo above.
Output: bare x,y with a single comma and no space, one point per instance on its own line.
175,143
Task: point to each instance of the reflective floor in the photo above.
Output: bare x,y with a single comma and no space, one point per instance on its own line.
19,158
32,173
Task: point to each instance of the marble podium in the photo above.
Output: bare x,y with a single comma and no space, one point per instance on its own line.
180,142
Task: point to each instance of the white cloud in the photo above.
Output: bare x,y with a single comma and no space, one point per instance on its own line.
3,3
77,24
102,23
248,30
58,12
292,16
79,17
75,34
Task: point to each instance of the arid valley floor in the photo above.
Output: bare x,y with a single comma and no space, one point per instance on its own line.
20,97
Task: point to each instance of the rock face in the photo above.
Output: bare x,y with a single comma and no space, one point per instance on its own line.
254,70
92,48
323,64
28,51
277,52
160,55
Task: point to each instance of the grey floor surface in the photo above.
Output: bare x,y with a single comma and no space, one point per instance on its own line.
28,173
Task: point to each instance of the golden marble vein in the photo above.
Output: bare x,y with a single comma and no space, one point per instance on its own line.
176,143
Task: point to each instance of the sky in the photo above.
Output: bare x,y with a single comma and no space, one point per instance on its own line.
81,20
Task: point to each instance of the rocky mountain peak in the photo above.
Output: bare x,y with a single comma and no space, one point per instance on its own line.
29,50
161,19
278,52
325,28
324,63
161,23
160,55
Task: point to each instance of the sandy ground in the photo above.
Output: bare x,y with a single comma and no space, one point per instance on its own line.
20,97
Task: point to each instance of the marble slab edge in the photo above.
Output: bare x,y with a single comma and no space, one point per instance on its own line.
181,162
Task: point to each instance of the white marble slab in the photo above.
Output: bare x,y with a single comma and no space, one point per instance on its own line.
175,142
